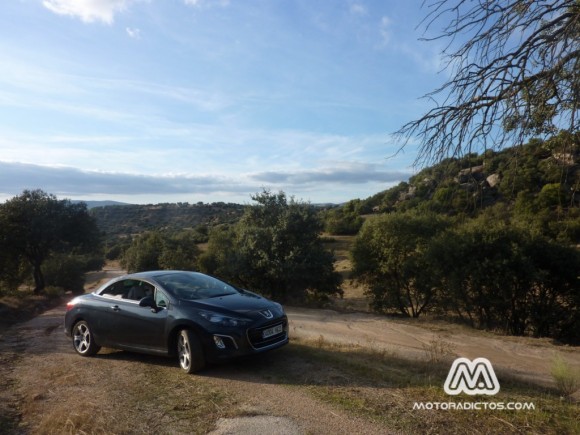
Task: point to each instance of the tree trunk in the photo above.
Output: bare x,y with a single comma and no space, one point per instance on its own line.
38,277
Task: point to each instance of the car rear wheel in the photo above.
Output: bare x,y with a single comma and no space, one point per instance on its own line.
83,340
189,351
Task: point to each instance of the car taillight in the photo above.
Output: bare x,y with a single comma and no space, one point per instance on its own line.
71,304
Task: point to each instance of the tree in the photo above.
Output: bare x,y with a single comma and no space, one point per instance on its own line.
155,250
35,225
517,74
65,271
275,249
389,257
344,220
143,254
501,277
221,257
180,252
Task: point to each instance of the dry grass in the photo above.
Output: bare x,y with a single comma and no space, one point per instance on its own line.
383,387
354,298
566,378
438,350
115,392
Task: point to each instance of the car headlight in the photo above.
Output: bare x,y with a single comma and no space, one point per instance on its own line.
279,307
220,319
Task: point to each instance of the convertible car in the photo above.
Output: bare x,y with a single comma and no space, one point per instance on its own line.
192,316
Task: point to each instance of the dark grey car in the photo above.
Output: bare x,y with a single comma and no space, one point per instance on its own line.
193,316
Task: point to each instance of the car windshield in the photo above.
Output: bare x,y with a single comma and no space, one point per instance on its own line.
192,285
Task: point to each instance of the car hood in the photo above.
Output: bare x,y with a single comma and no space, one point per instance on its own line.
246,304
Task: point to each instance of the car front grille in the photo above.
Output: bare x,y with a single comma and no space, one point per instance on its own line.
256,337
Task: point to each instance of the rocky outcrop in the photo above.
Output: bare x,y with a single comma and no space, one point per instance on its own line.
493,180
475,173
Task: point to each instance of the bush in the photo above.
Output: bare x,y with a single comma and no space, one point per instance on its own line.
275,249
114,252
65,271
567,378
342,222
54,292
389,256
156,250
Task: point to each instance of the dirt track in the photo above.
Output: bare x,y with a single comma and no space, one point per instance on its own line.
48,388
529,359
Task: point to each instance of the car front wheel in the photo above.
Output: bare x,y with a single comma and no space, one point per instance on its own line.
189,351
83,340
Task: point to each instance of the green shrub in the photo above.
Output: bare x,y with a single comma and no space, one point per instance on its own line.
54,292
65,271
567,378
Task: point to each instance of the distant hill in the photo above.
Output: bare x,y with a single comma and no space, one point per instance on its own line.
93,204
546,173
117,221
537,184
538,181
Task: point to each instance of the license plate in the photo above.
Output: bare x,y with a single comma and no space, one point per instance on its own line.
272,331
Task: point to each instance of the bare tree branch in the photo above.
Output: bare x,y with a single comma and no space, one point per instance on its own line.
516,75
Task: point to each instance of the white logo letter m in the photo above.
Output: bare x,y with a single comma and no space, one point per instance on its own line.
471,377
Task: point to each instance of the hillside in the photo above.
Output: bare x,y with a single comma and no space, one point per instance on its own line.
539,182
479,180
123,220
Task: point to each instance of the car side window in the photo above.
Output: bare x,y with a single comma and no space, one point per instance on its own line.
131,289
139,289
116,290
160,299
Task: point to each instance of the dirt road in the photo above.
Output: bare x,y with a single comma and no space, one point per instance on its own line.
523,357
47,388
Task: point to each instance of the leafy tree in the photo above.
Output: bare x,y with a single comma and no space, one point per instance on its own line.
279,242
485,276
502,277
342,221
180,252
389,256
221,258
275,249
552,195
65,271
35,224
155,250
517,67
13,269
144,252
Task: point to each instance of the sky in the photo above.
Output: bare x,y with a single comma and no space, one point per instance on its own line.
150,101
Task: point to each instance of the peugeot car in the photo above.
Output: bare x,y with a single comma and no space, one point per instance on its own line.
194,317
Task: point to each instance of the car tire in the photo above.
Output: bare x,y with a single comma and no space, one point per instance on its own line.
189,352
83,339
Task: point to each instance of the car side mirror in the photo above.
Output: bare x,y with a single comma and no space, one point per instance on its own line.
148,301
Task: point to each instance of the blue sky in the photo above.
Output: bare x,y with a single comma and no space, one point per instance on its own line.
148,101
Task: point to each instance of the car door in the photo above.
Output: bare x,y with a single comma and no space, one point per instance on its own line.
104,319
141,327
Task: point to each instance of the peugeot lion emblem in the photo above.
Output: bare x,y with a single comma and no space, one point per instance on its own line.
267,314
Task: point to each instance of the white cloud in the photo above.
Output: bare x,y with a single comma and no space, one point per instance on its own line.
16,177
76,183
133,32
385,30
88,10
206,3
341,174
358,9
